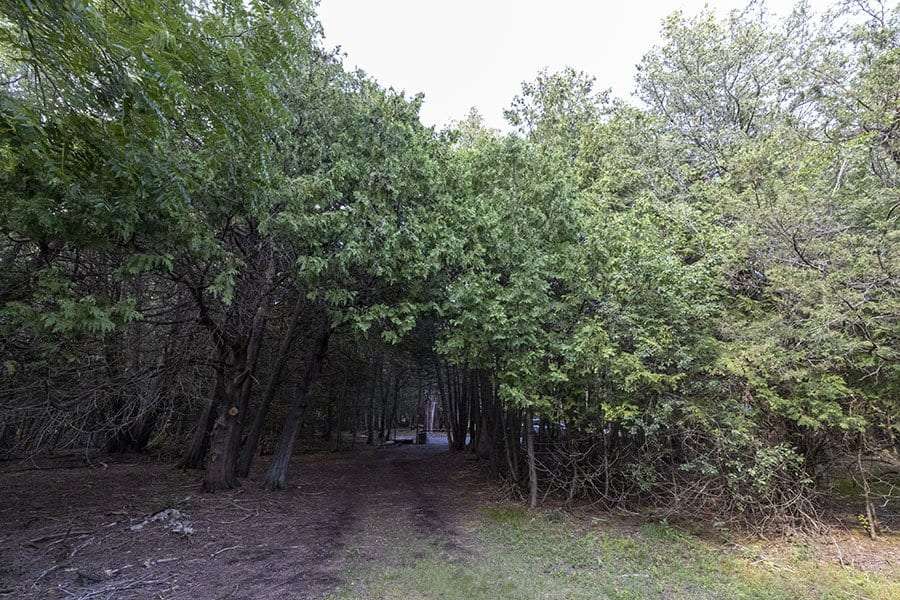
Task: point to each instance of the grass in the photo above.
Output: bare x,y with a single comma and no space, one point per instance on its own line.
508,552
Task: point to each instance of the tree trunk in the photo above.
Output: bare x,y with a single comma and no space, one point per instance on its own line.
370,418
532,470
393,414
474,411
136,437
485,440
248,450
226,434
195,456
338,421
219,473
443,393
276,476
507,444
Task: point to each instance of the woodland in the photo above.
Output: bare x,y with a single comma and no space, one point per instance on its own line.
221,247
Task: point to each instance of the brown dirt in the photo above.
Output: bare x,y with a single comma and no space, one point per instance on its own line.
67,532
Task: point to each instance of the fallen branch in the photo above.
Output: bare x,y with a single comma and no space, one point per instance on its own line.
47,538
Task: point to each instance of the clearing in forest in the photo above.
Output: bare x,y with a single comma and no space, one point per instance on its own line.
395,522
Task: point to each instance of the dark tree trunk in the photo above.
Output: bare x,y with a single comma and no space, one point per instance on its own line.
338,422
474,411
532,469
328,428
511,441
496,429
220,473
370,418
383,411
136,437
276,476
354,423
226,434
195,457
459,407
248,450
392,418
486,435
443,393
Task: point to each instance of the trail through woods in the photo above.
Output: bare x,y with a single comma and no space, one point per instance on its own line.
389,523
99,533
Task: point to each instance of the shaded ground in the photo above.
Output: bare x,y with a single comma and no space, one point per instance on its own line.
79,532
394,522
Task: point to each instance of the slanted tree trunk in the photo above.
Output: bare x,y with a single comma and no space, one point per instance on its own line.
276,476
195,457
136,437
248,450
453,406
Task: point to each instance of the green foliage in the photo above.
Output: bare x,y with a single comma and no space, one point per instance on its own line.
719,269
710,280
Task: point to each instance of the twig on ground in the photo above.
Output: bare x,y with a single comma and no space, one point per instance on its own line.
75,550
44,573
124,586
47,538
218,552
150,562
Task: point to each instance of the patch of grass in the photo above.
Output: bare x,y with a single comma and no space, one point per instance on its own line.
516,554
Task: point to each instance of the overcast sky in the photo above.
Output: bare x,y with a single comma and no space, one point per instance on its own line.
465,53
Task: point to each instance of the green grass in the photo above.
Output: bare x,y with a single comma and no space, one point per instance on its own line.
511,553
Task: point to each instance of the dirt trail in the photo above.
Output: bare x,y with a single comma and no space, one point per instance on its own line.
77,533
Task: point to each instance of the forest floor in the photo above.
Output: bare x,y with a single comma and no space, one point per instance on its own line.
389,523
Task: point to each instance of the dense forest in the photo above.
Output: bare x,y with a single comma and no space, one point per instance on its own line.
220,246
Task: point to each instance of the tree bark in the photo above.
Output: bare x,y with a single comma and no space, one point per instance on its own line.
392,418
507,445
474,411
195,456
276,476
219,474
248,450
532,470
226,434
137,437
443,393
370,418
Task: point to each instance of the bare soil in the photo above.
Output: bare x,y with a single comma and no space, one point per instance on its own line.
83,532
129,528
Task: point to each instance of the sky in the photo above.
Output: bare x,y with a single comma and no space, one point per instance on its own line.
477,53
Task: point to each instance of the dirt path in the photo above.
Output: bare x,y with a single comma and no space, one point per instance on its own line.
81,532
